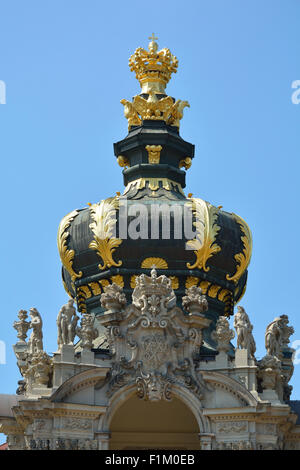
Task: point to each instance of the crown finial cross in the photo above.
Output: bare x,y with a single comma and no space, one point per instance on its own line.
152,38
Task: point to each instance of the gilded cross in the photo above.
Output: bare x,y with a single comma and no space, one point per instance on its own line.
153,38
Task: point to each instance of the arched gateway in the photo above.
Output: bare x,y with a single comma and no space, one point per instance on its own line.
140,424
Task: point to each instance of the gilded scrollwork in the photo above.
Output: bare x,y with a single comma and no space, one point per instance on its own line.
105,243
204,244
154,184
153,153
153,108
67,255
242,258
185,163
123,161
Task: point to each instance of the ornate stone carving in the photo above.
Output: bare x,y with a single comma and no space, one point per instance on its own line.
223,334
75,423
269,371
153,342
87,444
113,298
39,424
244,329
22,326
194,301
235,445
66,324
232,426
72,444
87,332
153,386
35,365
39,370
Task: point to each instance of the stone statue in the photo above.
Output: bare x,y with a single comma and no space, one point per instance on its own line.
223,334
286,331
277,340
244,329
277,336
66,324
35,343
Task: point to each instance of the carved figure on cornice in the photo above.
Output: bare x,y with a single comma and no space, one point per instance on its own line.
244,329
286,331
66,324
223,334
194,301
277,335
35,343
87,332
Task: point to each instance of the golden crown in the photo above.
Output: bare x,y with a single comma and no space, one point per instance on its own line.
153,65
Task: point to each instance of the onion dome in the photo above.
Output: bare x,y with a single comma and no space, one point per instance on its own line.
153,222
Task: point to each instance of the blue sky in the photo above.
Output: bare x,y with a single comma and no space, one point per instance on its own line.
65,65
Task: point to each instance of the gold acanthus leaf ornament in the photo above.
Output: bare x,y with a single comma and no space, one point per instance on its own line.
243,258
66,255
104,222
204,244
